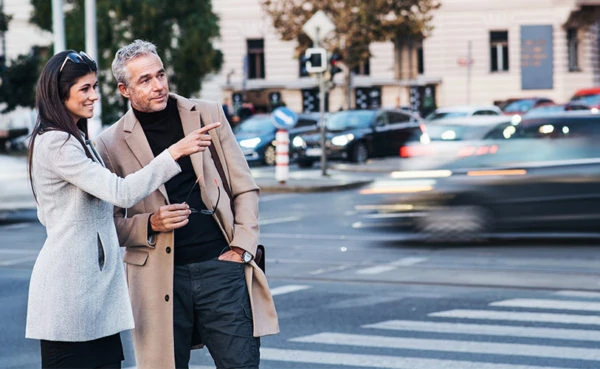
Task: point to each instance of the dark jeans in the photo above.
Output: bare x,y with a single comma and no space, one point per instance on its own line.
101,353
211,305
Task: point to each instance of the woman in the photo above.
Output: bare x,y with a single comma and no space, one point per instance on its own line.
78,300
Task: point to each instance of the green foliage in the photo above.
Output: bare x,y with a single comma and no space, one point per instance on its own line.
358,22
183,32
18,82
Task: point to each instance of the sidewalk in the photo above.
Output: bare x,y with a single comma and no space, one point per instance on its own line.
339,176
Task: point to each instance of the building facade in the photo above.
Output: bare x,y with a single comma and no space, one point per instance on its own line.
479,52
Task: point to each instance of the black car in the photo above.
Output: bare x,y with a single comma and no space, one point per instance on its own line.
357,135
256,136
544,180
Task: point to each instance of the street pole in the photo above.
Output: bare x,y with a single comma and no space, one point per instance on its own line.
91,48
321,83
58,25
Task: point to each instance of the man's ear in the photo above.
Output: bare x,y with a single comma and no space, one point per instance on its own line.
123,90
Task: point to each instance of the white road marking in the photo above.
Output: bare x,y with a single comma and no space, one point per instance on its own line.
584,294
519,316
411,343
488,330
549,304
391,266
278,220
288,289
378,361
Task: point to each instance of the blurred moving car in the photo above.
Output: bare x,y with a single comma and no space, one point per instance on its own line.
555,108
463,111
256,136
587,96
544,180
15,192
356,135
441,141
520,106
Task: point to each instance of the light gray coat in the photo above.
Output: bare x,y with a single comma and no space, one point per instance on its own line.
78,290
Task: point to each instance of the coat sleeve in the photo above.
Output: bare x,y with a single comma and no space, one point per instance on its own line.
244,190
131,230
71,164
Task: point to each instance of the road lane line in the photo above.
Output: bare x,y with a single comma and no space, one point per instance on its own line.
379,361
378,269
281,290
488,330
473,347
549,304
277,220
584,294
519,316
10,262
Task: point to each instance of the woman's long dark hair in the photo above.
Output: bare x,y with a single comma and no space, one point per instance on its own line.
51,93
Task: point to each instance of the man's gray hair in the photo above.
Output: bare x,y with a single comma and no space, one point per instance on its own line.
127,53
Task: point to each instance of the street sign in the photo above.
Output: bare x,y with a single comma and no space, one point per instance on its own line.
284,118
316,60
318,26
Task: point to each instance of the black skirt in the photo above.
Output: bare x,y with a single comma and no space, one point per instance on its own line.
82,355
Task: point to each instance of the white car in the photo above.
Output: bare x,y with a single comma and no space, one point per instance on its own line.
15,191
463,111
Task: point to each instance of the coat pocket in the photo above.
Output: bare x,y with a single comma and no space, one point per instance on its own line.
136,257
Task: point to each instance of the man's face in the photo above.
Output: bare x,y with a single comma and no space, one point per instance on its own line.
148,88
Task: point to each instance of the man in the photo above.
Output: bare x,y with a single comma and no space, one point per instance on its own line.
189,247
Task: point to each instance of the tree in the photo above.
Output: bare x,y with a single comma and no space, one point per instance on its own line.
183,32
358,23
19,80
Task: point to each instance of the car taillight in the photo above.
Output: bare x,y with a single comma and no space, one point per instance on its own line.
477,150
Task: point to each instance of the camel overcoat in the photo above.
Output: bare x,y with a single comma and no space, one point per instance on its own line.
149,261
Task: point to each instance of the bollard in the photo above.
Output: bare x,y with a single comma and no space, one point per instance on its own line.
282,156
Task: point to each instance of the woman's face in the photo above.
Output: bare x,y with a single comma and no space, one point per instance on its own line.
82,95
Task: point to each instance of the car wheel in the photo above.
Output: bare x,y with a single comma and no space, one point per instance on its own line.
359,153
270,155
305,163
465,223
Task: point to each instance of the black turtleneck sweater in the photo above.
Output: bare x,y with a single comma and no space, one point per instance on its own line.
201,239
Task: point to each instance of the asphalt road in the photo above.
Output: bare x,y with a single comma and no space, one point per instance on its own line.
351,297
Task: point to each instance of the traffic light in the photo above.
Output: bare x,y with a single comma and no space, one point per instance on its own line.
316,60
333,64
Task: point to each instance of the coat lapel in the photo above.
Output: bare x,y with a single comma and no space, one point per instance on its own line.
138,144
190,119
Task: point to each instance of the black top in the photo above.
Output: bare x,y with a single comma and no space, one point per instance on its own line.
201,239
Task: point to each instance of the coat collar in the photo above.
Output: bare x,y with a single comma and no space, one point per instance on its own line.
138,144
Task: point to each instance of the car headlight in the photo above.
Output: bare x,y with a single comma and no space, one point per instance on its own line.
342,140
250,143
298,142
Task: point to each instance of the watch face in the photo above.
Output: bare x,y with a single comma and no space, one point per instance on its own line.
247,257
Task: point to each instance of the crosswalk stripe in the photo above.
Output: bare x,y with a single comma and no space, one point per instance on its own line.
583,294
488,330
408,261
411,343
519,316
379,361
549,304
288,289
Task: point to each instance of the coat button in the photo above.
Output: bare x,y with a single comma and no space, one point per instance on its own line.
166,297
168,250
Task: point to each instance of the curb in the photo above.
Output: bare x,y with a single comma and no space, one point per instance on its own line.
291,186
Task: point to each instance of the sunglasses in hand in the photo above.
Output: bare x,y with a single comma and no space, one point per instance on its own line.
204,211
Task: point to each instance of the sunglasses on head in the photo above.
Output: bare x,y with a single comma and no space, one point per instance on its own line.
80,57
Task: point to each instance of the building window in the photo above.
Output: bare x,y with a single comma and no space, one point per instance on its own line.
363,68
573,49
498,51
420,60
256,58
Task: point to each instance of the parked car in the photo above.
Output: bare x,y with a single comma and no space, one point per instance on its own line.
555,108
256,136
544,180
462,111
357,135
520,106
587,96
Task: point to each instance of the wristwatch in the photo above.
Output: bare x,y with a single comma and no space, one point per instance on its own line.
247,257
